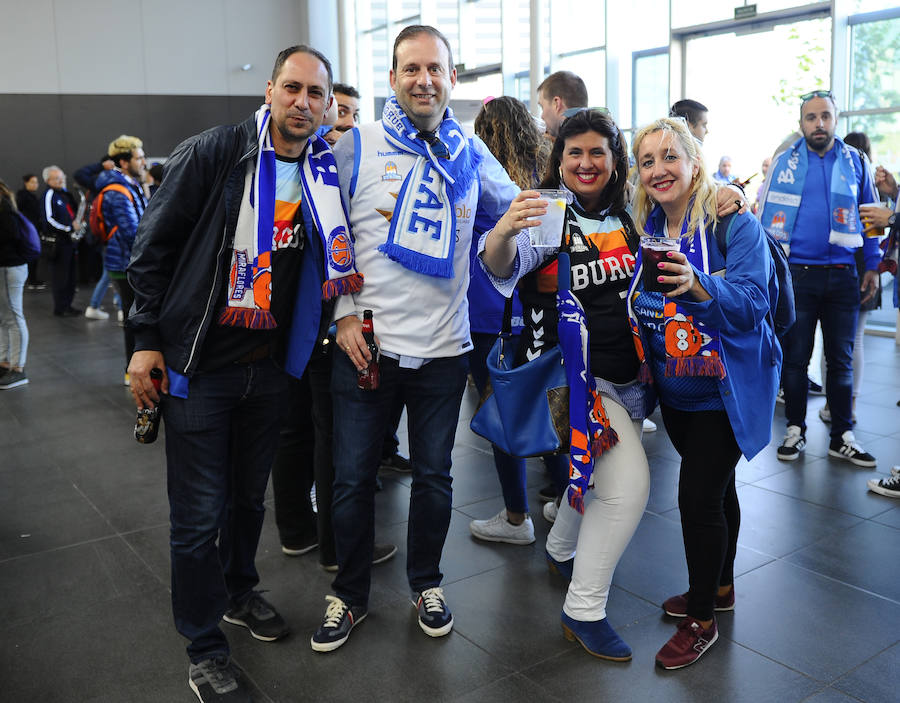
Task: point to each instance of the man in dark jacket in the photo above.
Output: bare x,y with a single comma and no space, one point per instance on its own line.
59,218
232,259
29,204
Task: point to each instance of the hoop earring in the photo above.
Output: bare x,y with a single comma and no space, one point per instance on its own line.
615,176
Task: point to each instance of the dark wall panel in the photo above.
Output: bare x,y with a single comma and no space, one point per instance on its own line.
73,130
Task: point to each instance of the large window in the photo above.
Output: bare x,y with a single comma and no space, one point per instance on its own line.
650,86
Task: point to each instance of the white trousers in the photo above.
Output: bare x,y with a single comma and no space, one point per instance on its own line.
612,512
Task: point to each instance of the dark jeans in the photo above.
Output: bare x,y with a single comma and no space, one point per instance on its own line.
220,443
511,470
304,455
63,274
830,295
707,499
432,395
127,296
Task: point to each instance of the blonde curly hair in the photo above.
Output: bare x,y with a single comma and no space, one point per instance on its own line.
703,190
123,145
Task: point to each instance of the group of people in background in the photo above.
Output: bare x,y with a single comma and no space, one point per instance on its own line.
244,281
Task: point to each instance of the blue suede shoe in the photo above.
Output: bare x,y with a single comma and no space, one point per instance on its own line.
563,568
597,637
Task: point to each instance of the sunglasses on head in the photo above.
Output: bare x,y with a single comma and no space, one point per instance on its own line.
438,148
817,94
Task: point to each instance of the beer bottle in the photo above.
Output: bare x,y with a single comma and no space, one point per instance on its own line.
146,426
369,377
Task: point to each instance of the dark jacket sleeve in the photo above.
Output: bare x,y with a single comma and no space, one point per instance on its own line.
86,175
168,222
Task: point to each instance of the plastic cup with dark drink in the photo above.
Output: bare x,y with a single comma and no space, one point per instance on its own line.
653,251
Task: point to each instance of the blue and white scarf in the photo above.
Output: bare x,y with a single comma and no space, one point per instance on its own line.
248,303
786,188
422,235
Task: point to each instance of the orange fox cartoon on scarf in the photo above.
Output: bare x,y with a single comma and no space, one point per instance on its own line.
683,339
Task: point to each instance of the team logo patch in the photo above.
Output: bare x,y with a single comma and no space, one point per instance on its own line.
241,276
391,173
778,220
844,216
340,251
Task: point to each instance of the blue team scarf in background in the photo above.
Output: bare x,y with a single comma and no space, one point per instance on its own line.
786,187
422,235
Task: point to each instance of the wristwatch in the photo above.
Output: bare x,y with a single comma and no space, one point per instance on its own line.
892,220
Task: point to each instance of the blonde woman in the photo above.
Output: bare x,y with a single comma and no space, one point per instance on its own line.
713,358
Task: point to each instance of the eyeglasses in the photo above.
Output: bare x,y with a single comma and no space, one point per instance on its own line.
816,94
438,148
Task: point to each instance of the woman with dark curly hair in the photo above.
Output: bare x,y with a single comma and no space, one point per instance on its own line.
509,131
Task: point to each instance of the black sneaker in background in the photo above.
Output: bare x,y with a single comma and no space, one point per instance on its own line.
258,616
396,462
889,487
847,448
794,443
218,680
12,379
814,388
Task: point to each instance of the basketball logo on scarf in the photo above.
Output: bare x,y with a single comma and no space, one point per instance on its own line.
340,251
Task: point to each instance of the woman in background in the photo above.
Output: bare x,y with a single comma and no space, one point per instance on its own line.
13,274
510,132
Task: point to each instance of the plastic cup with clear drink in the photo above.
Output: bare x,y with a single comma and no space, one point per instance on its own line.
653,251
549,234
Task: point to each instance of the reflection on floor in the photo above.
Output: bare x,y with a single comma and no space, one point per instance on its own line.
85,582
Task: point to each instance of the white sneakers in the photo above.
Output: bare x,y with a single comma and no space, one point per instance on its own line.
96,313
500,529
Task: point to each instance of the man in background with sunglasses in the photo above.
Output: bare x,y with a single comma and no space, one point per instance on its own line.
810,203
419,190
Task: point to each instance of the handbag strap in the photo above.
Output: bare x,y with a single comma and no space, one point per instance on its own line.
506,328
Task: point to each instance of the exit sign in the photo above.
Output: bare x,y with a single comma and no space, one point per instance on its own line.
745,11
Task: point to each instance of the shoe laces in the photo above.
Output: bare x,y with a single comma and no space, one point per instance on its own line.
688,631
849,440
219,673
259,607
335,611
433,599
892,483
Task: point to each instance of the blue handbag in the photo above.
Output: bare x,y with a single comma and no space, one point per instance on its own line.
525,410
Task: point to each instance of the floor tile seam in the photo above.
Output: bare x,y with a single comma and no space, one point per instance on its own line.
838,680
859,518
854,587
538,684
60,548
782,664
165,583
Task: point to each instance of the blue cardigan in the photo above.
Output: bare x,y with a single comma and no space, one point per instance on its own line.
738,309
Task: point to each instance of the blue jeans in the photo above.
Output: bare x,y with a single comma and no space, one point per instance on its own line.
510,469
100,292
220,443
13,329
830,295
432,395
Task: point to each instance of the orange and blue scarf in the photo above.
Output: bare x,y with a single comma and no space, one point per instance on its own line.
248,302
692,347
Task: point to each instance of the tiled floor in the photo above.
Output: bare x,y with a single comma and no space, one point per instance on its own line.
84,568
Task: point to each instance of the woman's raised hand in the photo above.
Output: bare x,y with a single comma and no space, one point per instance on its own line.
522,213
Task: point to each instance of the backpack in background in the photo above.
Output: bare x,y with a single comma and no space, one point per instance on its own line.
28,244
102,233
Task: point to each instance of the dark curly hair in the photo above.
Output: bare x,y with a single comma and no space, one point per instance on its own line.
509,131
614,194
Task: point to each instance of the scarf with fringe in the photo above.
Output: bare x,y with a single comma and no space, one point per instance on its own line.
422,235
248,302
692,348
590,431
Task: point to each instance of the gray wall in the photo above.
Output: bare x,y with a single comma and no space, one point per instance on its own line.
77,73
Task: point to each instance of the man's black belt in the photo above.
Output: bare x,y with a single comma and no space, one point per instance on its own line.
826,266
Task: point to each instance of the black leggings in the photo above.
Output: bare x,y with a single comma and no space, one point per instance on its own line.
707,499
